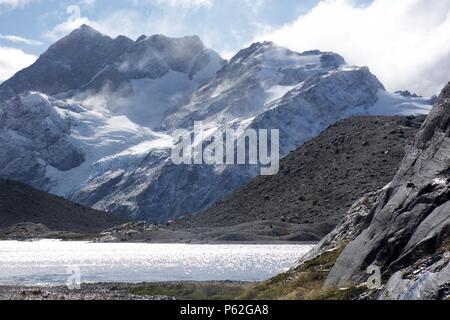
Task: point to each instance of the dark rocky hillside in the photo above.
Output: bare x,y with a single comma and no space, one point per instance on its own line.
21,204
319,182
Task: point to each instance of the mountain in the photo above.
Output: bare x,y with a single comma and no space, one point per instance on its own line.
21,204
320,181
98,129
300,114
256,76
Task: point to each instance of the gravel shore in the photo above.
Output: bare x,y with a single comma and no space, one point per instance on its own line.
177,290
98,291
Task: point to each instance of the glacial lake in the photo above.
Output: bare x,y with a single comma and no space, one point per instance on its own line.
51,262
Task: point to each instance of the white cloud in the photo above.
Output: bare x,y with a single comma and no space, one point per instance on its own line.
209,19
13,60
21,40
87,3
73,21
406,43
128,22
14,3
178,3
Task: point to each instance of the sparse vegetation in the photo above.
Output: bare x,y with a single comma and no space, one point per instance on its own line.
194,291
304,283
445,244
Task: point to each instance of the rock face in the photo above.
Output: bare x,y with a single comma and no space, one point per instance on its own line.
25,208
404,228
34,134
349,159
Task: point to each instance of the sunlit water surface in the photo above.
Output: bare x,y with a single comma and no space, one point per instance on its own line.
51,262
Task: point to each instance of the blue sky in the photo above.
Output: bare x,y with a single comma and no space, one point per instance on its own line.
225,25
406,43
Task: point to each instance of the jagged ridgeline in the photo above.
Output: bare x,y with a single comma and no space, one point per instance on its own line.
92,118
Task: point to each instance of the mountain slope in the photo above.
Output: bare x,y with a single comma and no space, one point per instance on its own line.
20,203
320,181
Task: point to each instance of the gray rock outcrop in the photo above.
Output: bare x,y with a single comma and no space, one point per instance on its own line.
404,228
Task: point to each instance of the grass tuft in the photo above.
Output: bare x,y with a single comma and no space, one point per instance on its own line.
304,283
193,291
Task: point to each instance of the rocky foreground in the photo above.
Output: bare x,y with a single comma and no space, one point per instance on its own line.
122,291
87,292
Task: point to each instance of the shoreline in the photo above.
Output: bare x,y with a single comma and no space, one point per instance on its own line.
206,243
152,291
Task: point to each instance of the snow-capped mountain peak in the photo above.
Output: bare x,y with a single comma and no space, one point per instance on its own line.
68,64
86,31
256,76
140,79
98,129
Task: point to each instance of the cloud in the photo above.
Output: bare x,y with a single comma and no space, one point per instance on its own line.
73,21
13,60
406,43
14,3
178,3
20,40
87,3
209,19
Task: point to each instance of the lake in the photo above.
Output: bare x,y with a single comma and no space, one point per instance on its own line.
49,262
